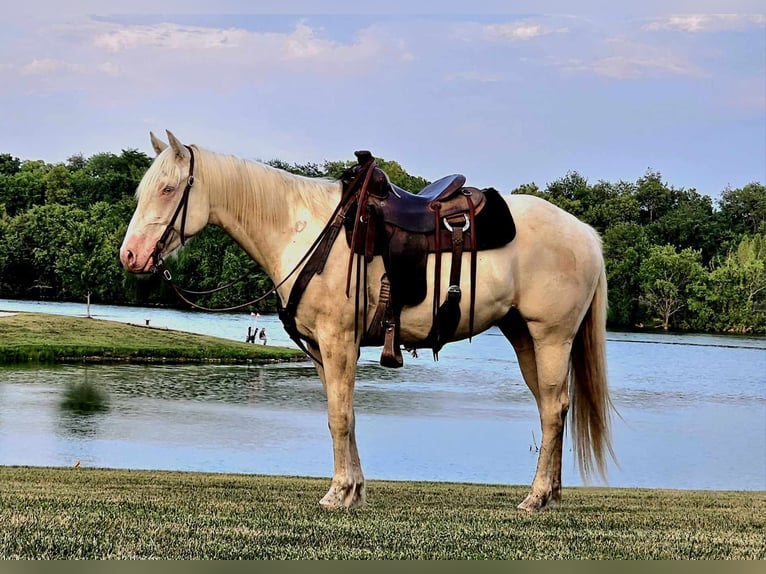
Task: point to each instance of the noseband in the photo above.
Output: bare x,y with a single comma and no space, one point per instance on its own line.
157,260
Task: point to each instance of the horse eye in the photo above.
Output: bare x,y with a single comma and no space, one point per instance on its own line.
168,189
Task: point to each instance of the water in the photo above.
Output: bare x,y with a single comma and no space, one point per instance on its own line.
692,411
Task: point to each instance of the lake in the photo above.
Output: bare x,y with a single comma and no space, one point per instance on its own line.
692,411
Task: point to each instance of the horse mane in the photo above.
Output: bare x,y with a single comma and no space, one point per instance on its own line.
269,195
250,190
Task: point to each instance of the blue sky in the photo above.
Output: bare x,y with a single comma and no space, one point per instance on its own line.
504,92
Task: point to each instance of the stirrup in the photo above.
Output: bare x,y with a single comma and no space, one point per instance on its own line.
392,353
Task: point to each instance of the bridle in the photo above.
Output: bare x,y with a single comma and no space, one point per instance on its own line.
183,205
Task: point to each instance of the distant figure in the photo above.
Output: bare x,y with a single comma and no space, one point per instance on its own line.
262,336
254,328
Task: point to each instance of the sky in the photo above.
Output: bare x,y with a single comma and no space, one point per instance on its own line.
504,92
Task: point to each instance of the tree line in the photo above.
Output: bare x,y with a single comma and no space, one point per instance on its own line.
675,259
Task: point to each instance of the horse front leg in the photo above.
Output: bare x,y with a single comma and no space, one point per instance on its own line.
338,374
552,366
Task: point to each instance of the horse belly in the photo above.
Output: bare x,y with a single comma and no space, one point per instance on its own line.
494,296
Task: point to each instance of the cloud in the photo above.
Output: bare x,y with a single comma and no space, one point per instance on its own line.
143,60
48,66
169,36
247,48
516,31
706,22
632,61
632,67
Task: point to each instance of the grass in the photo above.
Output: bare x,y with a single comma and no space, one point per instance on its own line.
62,513
43,338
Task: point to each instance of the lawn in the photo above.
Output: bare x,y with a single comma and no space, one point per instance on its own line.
65,513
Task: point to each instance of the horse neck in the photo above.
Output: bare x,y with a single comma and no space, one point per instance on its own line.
272,214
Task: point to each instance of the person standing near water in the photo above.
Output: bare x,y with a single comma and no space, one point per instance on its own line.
252,331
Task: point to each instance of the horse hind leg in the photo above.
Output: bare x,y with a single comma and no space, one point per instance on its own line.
545,368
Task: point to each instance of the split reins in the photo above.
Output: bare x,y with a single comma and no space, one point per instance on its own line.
159,263
326,236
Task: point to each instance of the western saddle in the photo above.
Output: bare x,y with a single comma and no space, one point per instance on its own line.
382,219
404,228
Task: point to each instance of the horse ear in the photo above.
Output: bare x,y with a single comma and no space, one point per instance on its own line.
157,143
179,148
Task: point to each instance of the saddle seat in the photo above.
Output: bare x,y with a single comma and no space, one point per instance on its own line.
415,212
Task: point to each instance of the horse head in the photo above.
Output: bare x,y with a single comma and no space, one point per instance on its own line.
172,207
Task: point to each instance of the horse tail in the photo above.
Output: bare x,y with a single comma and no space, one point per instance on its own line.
590,403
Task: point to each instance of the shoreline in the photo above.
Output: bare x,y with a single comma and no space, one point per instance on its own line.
41,338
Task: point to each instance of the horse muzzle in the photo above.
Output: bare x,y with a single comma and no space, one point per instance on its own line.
137,256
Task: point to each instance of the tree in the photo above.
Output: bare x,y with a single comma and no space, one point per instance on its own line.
667,281
625,247
88,262
58,185
611,204
9,165
743,210
655,198
571,193
691,223
737,294
306,169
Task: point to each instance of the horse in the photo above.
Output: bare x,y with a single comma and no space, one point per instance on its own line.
546,290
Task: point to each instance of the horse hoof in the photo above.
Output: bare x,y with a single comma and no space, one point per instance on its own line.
536,502
350,496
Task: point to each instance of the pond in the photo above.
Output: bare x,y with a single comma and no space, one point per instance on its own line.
692,411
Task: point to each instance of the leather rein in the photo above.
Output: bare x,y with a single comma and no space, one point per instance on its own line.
316,257
159,263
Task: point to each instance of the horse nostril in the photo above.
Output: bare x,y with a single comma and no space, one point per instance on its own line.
128,258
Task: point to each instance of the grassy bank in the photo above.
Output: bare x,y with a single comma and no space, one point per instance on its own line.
43,338
89,513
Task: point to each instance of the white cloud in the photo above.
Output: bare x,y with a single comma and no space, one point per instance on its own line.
144,60
514,31
168,36
706,22
48,66
633,67
631,61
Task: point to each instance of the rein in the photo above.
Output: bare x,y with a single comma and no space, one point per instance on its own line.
315,255
159,262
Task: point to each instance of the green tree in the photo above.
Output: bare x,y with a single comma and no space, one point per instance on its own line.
58,185
88,262
737,294
570,193
668,279
690,223
25,188
611,204
9,165
743,210
625,247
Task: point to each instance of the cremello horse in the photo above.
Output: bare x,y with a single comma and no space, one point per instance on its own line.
545,290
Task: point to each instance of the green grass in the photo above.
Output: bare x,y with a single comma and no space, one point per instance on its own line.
43,338
93,513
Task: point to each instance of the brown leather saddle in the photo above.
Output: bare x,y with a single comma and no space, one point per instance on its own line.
404,228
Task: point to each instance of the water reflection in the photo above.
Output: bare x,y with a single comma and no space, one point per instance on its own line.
80,425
